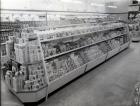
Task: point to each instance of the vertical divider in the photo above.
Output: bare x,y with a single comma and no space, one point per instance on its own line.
46,76
106,56
85,68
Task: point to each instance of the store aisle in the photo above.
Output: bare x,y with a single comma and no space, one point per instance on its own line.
7,98
110,84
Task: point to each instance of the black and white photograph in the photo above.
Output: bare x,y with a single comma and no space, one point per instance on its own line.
70,52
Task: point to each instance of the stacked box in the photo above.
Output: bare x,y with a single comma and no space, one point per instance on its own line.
22,53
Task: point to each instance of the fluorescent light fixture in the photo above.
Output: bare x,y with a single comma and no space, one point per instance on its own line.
95,4
112,6
66,1
76,1
72,1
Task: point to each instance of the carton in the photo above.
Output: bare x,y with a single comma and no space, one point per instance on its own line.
22,53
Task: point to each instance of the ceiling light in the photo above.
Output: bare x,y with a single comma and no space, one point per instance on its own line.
66,0
112,6
76,1
95,4
72,1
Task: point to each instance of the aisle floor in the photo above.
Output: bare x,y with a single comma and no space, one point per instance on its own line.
110,84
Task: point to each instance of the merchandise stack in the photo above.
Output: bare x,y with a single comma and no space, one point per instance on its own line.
6,31
12,25
134,21
135,30
28,72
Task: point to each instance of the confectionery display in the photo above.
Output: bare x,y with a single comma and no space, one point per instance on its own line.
60,33
28,72
43,49
134,30
20,80
55,47
134,26
65,64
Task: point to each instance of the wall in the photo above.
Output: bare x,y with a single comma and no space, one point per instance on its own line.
122,5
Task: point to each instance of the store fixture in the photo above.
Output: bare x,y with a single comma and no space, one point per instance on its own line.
134,21
134,27
5,33
44,58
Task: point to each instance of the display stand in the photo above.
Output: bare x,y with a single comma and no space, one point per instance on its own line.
30,97
134,18
65,52
135,31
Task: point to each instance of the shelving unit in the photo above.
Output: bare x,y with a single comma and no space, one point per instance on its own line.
63,53
4,57
54,56
134,18
49,40
135,31
5,33
23,73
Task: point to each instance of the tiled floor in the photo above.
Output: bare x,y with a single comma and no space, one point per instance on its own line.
110,84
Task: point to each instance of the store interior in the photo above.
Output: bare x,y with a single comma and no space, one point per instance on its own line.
70,52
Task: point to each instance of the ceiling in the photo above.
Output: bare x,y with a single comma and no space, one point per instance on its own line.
84,5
